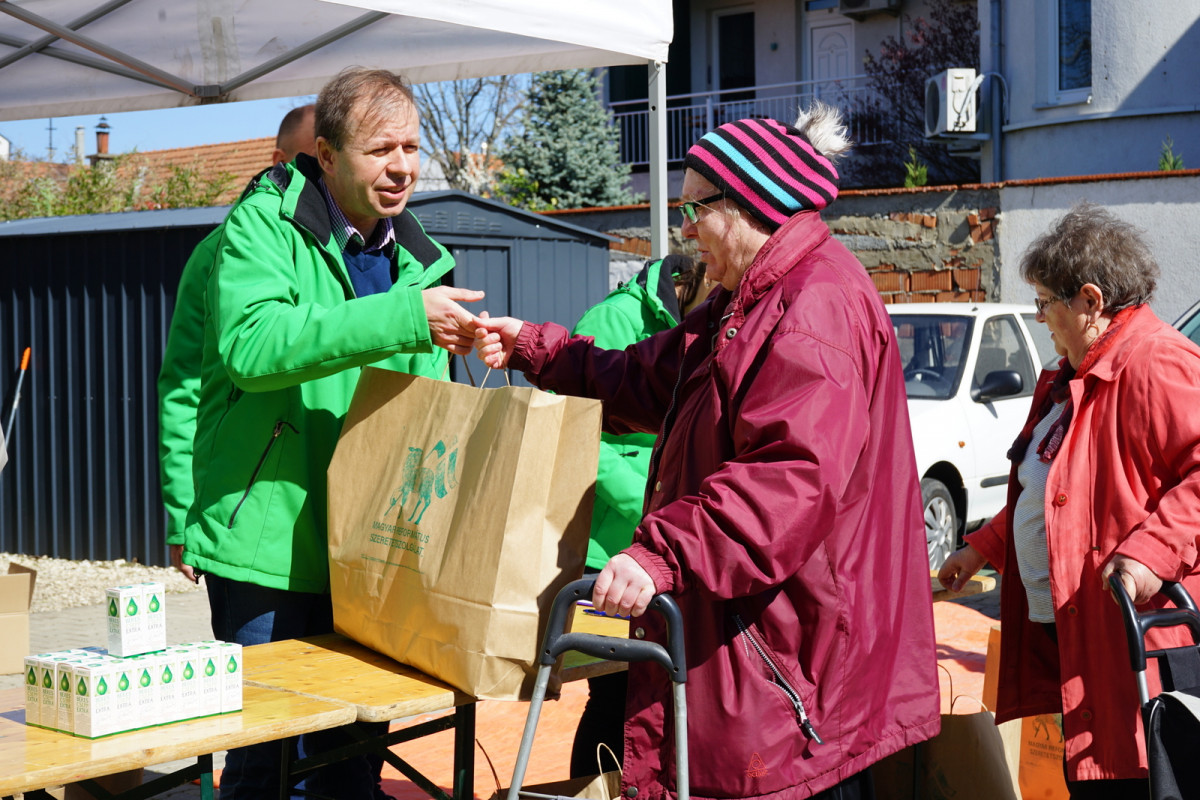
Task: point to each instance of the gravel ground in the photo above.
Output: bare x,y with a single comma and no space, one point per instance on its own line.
62,583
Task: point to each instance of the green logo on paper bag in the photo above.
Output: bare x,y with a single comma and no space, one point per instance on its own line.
425,480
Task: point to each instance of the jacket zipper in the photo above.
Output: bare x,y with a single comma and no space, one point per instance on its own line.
258,467
801,715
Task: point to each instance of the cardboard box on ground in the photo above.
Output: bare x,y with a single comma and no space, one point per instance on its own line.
16,597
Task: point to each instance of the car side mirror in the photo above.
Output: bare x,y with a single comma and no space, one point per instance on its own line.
1000,383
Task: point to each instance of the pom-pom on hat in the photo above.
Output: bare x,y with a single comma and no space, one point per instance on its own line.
768,168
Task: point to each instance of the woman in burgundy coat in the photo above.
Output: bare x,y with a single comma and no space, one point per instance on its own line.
782,509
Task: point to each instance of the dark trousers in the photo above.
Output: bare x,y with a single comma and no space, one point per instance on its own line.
250,614
602,722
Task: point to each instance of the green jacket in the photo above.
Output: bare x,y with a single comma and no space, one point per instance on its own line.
284,335
633,311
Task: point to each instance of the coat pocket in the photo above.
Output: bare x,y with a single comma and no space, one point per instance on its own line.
779,678
262,459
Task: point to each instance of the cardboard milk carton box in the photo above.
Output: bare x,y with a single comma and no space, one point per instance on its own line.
126,620
230,662
96,697
207,656
34,670
16,595
126,697
154,606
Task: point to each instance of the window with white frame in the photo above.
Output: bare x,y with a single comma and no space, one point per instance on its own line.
1073,51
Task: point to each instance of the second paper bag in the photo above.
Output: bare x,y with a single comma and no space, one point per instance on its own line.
455,516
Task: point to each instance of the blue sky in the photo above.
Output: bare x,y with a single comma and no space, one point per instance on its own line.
154,130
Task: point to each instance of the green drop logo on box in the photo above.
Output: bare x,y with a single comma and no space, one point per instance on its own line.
31,678
65,683
112,608
145,681
154,606
188,672
47,681
210,669
231,666
123,684
167,677
102,687
131,609
81,688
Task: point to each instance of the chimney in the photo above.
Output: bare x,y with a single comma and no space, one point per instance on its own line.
102,137
79,129
102,155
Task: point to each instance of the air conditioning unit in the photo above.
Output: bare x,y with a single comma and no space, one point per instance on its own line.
858,9
950,102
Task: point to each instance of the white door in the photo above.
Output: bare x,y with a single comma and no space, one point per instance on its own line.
831,49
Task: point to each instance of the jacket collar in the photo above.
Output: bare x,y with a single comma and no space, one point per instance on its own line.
1141,324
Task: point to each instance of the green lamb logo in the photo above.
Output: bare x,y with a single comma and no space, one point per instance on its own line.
425,481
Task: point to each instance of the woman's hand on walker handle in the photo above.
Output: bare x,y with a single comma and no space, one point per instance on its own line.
623,588
495,339
1139,581
959,568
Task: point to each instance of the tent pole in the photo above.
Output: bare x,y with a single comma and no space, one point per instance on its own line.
658,158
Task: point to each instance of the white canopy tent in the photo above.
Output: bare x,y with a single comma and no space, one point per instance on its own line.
68,57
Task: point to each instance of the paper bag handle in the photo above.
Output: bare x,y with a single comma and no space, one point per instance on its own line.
470,377
613,648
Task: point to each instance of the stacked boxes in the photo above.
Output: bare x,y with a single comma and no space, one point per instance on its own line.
138,681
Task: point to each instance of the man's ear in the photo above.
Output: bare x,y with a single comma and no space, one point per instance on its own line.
278,156
325,154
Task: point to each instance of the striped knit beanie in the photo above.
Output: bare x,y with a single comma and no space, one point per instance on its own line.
766,167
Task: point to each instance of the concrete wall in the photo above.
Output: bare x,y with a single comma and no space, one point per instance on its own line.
942,244
1145,62
1165,206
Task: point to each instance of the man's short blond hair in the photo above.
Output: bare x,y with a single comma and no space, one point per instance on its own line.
381,94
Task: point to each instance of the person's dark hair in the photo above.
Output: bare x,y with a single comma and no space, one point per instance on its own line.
290,124
1090,245
380,93
688,274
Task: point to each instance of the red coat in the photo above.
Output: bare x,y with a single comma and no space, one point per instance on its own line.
1127,480
783,512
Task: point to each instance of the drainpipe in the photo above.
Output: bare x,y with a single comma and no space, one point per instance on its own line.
997,31
79,135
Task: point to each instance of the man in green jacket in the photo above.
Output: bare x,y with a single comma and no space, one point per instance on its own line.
179,377
319,270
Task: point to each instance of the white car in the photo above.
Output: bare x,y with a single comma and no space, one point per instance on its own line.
969,371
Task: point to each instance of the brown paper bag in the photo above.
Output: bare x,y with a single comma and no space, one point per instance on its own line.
455,516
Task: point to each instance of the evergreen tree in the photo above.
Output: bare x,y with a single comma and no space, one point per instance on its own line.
565,151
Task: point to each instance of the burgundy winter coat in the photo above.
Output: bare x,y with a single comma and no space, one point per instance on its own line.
783,513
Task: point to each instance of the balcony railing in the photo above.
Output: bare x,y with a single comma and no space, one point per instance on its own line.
690,116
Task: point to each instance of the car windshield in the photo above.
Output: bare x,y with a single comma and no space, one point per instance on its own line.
933,349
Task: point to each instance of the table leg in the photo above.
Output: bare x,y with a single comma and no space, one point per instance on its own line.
464,752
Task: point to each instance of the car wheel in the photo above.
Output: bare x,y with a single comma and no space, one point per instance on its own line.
941,523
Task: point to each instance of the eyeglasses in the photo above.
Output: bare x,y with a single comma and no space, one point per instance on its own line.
689,208
1041,304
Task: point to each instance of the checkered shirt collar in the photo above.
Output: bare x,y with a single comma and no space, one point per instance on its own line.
382,238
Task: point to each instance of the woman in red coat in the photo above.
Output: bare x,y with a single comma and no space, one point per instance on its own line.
1105,479
782,508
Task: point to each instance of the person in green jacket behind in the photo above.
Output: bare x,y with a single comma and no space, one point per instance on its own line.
319,270
655,299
